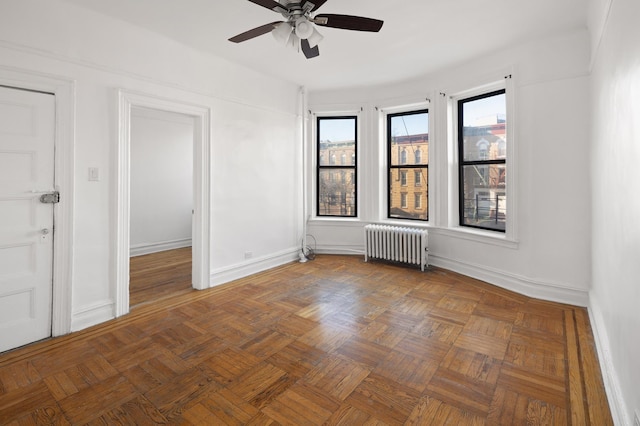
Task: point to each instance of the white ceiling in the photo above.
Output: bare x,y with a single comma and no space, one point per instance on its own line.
418,36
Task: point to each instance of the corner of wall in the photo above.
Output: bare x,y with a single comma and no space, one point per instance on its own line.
609,376
598,15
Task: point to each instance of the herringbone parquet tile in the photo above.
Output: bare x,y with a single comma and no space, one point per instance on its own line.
334,341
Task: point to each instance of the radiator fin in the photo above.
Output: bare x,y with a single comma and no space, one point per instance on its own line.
396,243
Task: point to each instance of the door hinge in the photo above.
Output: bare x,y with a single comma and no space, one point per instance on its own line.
50,198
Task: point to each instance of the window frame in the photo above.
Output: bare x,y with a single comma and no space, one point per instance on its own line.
459,105
404,166
347,169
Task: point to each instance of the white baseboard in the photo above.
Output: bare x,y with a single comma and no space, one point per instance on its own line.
142,249
553,292
253,266
92,315
611,383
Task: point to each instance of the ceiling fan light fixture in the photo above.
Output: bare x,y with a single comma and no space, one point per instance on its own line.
282,32
315,38
304,28
298,30
294,42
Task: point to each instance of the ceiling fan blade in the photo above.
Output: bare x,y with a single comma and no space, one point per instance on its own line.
348,22
247,35
309,52
270,4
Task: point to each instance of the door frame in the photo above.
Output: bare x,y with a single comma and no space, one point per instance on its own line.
64,165
201,189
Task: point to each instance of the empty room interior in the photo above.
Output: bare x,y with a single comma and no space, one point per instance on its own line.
319,212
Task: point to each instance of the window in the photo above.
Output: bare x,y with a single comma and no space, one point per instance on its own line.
403,178
417,200
482,125
407,139
336,184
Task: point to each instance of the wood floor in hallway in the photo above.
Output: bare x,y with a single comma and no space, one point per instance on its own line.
156,276
332,341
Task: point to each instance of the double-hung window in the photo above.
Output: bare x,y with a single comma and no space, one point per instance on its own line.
408,164
482,136
336,183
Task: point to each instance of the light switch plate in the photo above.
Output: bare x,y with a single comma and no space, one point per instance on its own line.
94,174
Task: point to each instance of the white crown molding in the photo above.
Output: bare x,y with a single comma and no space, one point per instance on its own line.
140,77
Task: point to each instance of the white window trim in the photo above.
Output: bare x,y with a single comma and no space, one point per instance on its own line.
509,238
383,162
313,190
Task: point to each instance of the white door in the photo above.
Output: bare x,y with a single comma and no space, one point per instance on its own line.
27,123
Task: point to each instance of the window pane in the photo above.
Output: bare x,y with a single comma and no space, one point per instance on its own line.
403,178
484,128
409,134
485,201
337,192
402,198
337,138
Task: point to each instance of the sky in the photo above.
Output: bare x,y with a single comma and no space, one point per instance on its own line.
336,130
414,124
476,110
343,129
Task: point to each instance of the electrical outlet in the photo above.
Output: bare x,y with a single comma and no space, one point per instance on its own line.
248,254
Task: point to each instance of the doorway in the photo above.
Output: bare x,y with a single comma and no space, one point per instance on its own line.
200,273
161,204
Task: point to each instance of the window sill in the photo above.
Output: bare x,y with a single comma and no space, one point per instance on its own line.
480,236
333,221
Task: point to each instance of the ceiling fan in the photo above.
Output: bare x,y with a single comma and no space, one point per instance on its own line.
298,30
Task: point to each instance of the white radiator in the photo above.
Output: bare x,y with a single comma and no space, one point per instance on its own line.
397,244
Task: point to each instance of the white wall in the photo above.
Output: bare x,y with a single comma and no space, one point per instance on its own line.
550,256
251,113
161,180
615,177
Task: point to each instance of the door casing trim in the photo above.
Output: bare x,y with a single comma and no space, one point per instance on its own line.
201,190
64,166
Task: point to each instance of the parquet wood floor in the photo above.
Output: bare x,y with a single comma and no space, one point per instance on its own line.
153,277
334,341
